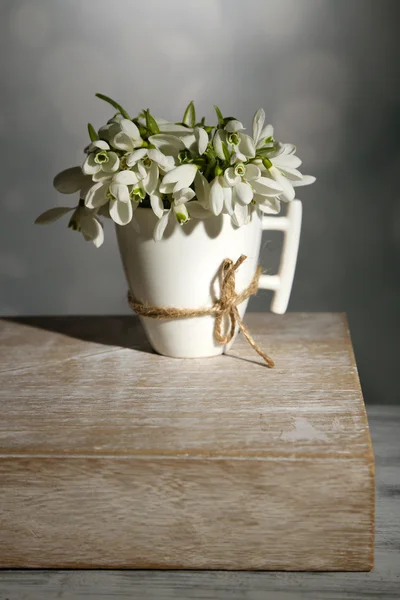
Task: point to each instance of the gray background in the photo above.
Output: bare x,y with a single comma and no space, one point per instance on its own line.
325,71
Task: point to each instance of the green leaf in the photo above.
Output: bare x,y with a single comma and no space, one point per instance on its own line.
151,123
114,104
220,117
189,117
92,133
226,152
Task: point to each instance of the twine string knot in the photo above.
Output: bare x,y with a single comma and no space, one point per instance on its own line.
226,306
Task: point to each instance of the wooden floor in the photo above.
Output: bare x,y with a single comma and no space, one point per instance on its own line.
383,582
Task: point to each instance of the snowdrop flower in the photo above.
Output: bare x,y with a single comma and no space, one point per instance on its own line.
246,182
262,136
178,178
150,161
240,146
128,137
197,142
281,165
170,145
82,219
220,196
101,161
122,193
183,208
108,131
85,221
181,170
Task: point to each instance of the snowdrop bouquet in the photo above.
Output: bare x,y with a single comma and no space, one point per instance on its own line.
181,171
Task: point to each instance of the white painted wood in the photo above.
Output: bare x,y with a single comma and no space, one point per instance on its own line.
113,456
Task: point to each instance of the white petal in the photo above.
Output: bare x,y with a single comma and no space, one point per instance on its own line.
228,204
160,227
174,129
217,144
135,156
266,133
122,141
202,139
52,215
120,192
92,230
190,142
167,143
101,144
246,146
236,157
286,160
240,215
258,123
121,212
167,188
130,129
141,170
292,174
102,176
216,197
252,172
202,189
169,164
151,181
113,163
269,206
181,213
197,210
267,186
288,149
96,196
183,195
163,161
69,181
231,178
126,177
243,192
157,204
306,180
89,166
182,175
288,193
233,126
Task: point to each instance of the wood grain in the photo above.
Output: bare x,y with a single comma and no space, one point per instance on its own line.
382,583
113,456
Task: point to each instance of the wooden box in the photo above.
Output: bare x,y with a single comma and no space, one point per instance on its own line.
112,456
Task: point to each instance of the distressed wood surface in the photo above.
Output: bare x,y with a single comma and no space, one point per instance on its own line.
113,456
383,583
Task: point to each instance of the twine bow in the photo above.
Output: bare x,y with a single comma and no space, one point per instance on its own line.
226,306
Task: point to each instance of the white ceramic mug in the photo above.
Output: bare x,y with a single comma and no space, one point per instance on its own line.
183,271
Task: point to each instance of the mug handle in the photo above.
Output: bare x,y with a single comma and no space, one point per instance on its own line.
281,283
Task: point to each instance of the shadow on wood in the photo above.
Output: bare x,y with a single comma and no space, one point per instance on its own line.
120,331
